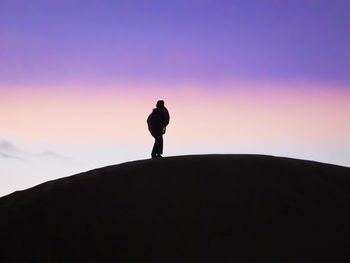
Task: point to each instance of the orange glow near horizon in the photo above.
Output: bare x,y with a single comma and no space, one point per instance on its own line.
114,113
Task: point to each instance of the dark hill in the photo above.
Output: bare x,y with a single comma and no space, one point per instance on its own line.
213,208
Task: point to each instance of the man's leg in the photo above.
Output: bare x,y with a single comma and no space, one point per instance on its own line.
154,149
158,146
160,149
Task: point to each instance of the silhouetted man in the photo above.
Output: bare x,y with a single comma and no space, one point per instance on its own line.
157,122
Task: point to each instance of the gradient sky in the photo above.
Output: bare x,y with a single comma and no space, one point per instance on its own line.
78,79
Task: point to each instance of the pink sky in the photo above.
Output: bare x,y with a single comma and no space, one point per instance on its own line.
246,113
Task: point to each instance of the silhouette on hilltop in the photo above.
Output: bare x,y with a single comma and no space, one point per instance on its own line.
157,122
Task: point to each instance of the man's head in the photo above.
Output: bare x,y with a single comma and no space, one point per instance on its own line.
160,104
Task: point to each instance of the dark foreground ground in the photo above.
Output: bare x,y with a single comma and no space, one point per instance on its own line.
213,208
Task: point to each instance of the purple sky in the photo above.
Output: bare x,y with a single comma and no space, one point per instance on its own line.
205,41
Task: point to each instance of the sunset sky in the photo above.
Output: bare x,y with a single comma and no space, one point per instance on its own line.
78,79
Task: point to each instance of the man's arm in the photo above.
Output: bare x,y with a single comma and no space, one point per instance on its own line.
166,117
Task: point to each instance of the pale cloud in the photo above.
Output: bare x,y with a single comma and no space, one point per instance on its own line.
10,151
8,147
8,156
53,155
